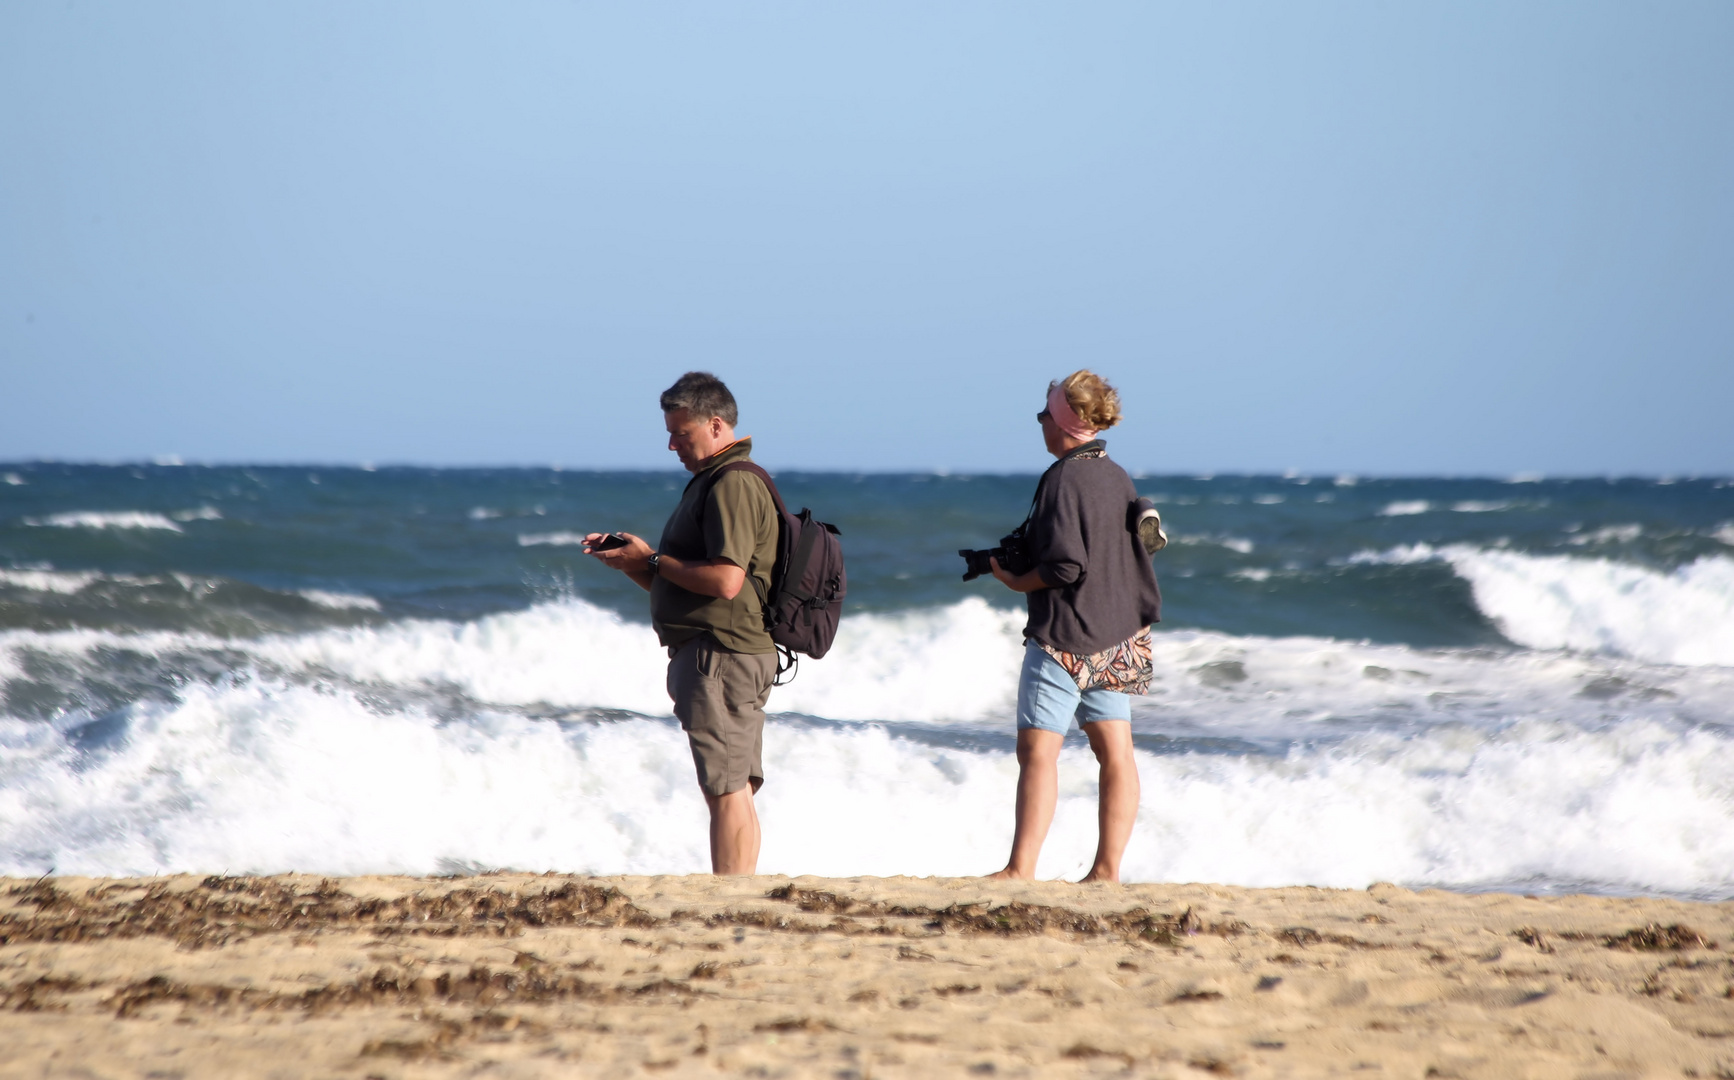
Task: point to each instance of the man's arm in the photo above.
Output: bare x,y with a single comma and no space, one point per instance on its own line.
707,577
738,516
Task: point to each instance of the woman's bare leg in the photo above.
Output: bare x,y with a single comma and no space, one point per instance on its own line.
1117,810
1038,791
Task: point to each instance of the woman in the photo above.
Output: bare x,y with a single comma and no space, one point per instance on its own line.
1092,599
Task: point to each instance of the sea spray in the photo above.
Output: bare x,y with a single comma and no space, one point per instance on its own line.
1517,686
268,777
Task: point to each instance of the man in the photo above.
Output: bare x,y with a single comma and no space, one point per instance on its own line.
708,614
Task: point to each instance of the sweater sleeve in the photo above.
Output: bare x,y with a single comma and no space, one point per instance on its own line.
1061,558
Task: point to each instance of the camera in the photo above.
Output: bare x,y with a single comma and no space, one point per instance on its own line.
1013,554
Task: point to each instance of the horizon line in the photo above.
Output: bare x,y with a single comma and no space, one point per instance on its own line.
1336,477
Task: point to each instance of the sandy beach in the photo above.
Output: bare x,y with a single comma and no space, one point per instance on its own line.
520,975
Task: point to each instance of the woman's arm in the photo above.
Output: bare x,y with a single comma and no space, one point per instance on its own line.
1025,583
1056,541
1057,535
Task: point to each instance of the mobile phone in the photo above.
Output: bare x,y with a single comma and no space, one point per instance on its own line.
609,542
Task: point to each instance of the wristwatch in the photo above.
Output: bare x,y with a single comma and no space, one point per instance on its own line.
655,562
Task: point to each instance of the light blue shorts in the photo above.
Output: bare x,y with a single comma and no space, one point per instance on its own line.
1048,699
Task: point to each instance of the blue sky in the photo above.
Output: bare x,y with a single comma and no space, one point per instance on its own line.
1371,237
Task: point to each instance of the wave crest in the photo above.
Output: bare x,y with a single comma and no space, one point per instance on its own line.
105,519
1683,616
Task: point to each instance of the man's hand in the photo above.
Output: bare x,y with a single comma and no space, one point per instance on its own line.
1025,583
712,577
634,556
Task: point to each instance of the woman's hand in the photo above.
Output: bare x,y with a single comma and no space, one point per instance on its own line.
1025,583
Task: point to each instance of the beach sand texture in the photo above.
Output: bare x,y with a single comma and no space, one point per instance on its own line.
519,975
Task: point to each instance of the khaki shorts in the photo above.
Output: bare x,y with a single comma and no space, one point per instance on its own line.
719,698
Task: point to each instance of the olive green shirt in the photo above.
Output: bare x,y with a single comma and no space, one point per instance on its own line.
737,522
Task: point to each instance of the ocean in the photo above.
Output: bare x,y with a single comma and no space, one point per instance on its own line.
1474,684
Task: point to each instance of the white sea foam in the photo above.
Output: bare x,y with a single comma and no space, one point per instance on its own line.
903,666
1268,500
65,582
1406,507
340,601
1683,617
554,539
1564,602
105,519
263,776
1642,806
1238,544
953,663
202,513
1262,689
11,478
45,578
955,666
568,654
1446,766
1476,506
483,513
1610,534
1725,533
1397,556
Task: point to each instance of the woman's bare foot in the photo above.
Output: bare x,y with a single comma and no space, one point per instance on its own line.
1099,875
1008,874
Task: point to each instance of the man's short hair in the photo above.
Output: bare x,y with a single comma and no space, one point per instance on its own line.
703,395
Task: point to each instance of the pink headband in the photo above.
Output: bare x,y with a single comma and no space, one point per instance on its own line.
1064,418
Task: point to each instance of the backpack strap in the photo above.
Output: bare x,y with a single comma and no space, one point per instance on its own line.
765,602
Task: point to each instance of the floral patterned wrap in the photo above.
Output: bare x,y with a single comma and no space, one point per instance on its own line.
1125,668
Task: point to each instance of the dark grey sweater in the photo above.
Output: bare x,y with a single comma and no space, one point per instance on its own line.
1102,588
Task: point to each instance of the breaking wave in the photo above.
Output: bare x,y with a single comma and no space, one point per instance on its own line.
1683,616
104,519
266,776
541,739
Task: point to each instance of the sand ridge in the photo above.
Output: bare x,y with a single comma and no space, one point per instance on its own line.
524,975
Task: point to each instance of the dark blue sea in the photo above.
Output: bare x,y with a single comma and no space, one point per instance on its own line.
1471,683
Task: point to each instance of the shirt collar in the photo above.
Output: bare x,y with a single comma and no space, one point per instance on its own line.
1097,445
735,451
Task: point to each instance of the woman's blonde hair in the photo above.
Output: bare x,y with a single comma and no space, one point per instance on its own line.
1096,403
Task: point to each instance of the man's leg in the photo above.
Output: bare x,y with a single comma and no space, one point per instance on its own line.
1117,810
719,698
734,832
1038,791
